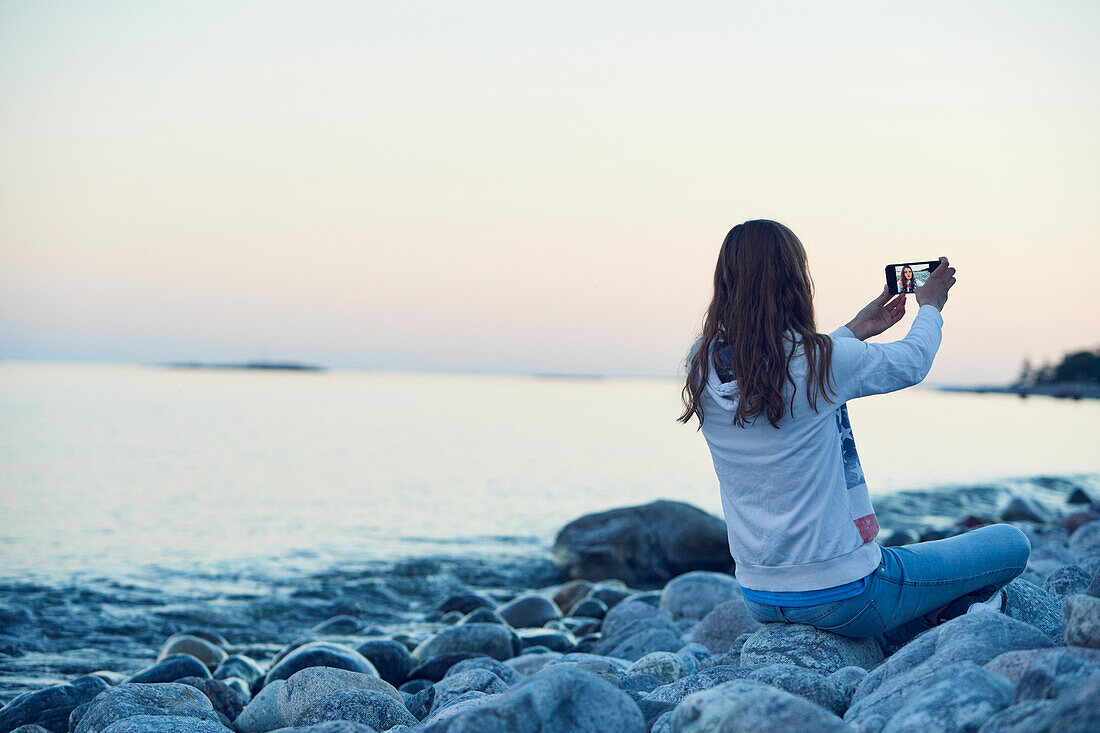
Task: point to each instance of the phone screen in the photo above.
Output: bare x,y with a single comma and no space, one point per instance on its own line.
906,277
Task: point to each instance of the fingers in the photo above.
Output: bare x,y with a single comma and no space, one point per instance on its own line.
883,296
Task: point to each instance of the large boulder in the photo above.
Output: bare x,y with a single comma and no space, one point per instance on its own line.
647,544
558,698
1013,665
50,707
139,698
370,707
808,647
802,682
262,712
748,706
1053,675
1076,711
1031,604
695,594
718,630
973,637
961,698
492,640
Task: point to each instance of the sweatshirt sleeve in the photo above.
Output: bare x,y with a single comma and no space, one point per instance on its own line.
860,368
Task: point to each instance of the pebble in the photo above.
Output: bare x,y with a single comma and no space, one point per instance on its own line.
721,627
320,654
197,647
492,640
529,610
389,658
695,594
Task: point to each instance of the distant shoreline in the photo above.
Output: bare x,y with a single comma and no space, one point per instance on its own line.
267,365
1068,390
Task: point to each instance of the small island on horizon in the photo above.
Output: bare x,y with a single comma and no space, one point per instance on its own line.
269,365
1076,376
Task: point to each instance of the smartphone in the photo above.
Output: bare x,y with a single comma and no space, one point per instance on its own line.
906,277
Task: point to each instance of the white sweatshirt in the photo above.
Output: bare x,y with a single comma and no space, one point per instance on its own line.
794,497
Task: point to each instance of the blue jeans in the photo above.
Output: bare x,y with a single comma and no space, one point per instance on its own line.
912,581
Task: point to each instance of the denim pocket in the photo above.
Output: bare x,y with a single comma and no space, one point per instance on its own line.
864,623
763,613
809,614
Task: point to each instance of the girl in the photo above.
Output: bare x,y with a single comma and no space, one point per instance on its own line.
770,394
907,283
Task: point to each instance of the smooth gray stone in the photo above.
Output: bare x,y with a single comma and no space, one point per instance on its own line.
1086,540
973,637
695,594
464,602
30,728
508,674
847,679
376,709
589,608
455,706
456,685
1031,604
674,693
610,669
553,700
555,641
307,685
206,651
961,698
51,706
665,666
261,714
240,666
342,624
320,654
802,682
719,629
528,664
645,641
1067,580
1082,621
626,613
806,646
390,658
643,544
529,610
1051,675
749,706
493,640
170,669
692,655
165,724
139,698
227,699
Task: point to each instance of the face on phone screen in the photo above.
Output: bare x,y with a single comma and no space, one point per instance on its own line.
911,276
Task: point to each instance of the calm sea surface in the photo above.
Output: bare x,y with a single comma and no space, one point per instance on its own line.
134,472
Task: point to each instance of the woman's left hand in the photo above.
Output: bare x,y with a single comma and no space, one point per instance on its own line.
878,315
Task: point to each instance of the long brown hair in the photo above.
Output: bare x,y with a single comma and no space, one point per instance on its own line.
762,289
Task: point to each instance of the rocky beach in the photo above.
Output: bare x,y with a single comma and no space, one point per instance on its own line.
631,621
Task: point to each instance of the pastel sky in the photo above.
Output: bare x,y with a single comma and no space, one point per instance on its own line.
533,186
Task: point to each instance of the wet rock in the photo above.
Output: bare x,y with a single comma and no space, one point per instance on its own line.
1082,621
389,658
455,685
239,666
1086,540
261,714
170,669
718,630
337,726
464,603
749,706
1078,496
1051,675
664,666
847,679
695,594
165,724
483,616
802,682
434,668
691,656
199,648
1024,508
623,614
651,543
590,608
1031,604
320,654
370,707
675,692
609,595
972,637
556,641
306,686
51,706
808,647
226,699
529,610
490,639
342,624
608,668
641,637
528,664
554,699
961,698
1067,580
135,698
569,594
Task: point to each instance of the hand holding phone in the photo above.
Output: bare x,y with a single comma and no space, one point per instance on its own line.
934,290
906,277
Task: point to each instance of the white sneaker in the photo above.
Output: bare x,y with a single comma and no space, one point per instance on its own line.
996,603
